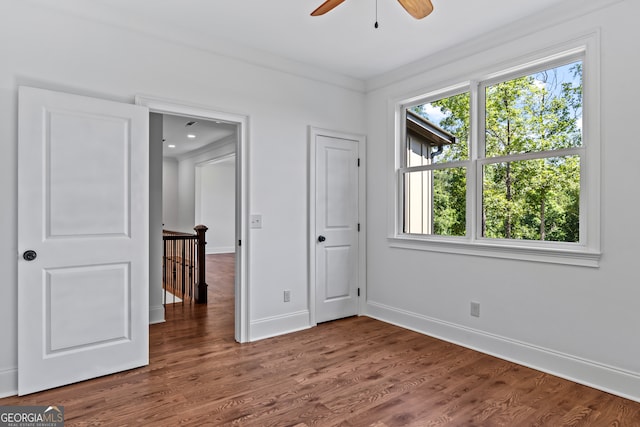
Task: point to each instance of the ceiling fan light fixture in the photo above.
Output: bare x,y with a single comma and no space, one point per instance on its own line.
416,8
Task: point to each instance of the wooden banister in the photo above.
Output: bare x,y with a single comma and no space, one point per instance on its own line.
201,288
184,264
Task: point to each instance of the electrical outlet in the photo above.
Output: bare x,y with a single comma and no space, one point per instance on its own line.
255,221
475,309
287,296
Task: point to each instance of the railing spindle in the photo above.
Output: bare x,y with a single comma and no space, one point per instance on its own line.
183,259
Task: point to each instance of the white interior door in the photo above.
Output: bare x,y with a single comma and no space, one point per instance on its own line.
336,227
83,212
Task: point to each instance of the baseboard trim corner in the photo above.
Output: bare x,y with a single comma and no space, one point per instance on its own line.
156,314
593,374
8,382
278,325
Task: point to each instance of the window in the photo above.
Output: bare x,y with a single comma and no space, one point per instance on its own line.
436,156
532,149
501,166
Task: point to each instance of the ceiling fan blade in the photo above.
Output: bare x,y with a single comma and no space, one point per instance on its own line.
417,8
326,7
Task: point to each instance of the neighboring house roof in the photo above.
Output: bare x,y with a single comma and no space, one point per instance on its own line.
428,131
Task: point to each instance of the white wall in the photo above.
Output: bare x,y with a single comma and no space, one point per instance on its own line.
215,204
186,196
43,48
170,193
156,309
578,322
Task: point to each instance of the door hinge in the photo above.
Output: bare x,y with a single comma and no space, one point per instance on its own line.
358,291
239,242
358,161
358,227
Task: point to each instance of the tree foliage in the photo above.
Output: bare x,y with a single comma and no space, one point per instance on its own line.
535,198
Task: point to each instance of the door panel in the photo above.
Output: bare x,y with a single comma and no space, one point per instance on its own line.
88,192
338,265
86,307
83,208
337,221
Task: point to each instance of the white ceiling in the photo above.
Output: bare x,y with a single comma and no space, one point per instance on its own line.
206,132
343,41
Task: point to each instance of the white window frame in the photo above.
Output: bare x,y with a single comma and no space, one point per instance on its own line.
584,253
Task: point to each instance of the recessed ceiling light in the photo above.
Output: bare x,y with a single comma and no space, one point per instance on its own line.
171,146
190,136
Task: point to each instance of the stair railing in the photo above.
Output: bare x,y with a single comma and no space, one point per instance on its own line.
184,265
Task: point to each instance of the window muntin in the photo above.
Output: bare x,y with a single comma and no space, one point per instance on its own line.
448,120
537,114
434,178
544,139
435,202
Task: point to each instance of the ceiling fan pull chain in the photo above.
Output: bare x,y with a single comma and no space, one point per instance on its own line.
376,24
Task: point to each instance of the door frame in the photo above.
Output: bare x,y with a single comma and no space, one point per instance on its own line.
241,293
314,132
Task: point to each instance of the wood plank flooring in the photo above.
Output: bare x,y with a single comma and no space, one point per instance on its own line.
351,372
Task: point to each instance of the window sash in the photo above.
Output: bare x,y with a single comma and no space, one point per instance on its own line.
477,152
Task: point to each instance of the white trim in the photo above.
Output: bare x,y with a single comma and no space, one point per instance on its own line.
8,382
501,249
158,105
613,380
221,250
362,207
225,48
156,314
525,27
216,160
278,325
214,250
230,140
585,47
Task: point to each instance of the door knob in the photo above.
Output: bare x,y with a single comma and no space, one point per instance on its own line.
29,255
321,239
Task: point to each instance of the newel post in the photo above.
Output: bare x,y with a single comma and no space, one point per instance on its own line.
201,288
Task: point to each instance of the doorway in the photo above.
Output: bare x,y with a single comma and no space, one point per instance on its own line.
336,224
159,106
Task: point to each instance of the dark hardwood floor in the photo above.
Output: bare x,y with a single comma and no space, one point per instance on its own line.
351,372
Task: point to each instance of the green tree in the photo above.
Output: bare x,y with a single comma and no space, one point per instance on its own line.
536,198
450,184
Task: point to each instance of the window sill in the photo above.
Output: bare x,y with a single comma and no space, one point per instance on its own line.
578,256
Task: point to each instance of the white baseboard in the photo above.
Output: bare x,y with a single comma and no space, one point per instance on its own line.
8,382
221,250
9,377
278,325
593,374
156,314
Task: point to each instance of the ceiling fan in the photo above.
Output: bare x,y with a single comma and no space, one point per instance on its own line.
416,8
